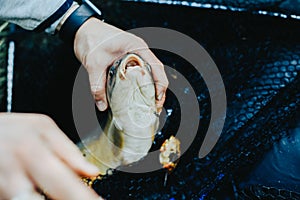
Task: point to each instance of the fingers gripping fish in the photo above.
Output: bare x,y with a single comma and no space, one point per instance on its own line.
133,118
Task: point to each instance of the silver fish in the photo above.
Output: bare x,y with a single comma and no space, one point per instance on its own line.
133,118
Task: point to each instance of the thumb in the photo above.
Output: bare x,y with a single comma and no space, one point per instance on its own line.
98,89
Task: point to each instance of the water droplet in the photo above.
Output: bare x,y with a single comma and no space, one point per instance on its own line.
294,62
186,90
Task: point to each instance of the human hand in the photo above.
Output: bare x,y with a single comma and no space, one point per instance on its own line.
35,154
97,45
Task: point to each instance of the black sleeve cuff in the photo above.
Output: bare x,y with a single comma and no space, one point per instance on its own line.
54,17
75,20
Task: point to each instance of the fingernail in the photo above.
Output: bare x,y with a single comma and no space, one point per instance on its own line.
101,105
159,110
160,96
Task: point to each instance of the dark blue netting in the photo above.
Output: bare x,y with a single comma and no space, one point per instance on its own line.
259,59
279,8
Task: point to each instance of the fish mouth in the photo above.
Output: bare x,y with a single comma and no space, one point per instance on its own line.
121,66
130,62
131,67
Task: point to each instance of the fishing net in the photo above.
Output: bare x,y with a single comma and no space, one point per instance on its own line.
258,56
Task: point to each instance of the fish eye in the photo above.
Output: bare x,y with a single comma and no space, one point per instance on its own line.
112,71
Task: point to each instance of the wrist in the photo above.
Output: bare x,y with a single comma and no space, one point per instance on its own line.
74,19
87,36
54,28
66,15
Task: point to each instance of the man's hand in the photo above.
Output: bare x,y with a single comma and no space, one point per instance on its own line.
97,45
36,154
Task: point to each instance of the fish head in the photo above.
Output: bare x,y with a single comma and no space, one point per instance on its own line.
131,93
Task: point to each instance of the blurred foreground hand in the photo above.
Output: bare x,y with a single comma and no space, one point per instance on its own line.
36,154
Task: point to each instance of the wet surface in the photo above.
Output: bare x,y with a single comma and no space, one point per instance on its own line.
259,59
